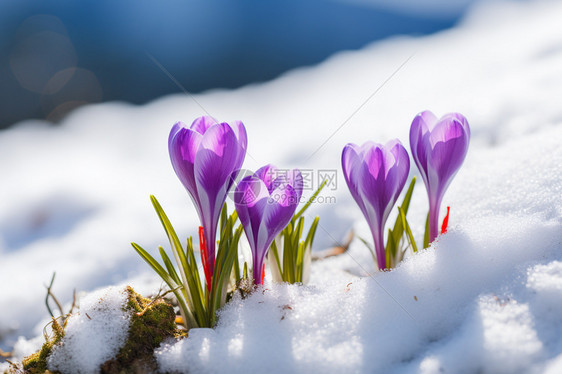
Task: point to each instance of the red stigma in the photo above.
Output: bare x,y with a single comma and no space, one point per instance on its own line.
445,222
204,258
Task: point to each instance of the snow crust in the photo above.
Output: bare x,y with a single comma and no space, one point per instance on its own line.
94,335
485,298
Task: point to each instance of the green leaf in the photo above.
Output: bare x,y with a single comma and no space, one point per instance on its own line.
314,195
155,265
223,217
426,234
408,230
311,233
288,256
187,315
398,229
406,202
237,275
187,271
197,292
169,265
390,256
222,275
296,235
299,262
225,259
273,249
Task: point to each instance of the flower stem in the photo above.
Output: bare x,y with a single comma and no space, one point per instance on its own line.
434,221
379,249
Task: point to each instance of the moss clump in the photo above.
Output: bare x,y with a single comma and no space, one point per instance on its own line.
151,322
37,362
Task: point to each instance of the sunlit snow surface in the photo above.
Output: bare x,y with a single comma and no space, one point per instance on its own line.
94,335
485,298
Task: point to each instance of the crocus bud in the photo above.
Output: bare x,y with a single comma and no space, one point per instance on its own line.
265,207
375,175
207,157
439,148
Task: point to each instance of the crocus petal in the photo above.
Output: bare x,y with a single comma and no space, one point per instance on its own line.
375,187
263,214
439,148
183,144
376,175
419,133
461,119
279,210
250,199
397,175
297,182
217,161
351,160
202,124
207,158
240,131
447,155
293,178
267,174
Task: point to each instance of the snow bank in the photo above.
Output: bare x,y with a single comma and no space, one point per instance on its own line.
94,335
485,298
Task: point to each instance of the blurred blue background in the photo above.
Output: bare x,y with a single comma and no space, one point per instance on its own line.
57,55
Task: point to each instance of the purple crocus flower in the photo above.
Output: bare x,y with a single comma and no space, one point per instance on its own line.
207,157
375,175
273,177
439,147
265,204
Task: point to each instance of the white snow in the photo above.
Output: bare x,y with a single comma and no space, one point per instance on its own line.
485,298
94,335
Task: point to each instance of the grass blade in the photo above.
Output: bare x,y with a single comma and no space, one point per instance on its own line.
273,249
426,234
408,230
390,255
314,195
187,315
169,266
398,229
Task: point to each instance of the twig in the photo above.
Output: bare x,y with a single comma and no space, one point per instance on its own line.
73,302
335,251
48,293
156,298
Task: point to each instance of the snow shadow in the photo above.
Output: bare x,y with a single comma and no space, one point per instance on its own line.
51,217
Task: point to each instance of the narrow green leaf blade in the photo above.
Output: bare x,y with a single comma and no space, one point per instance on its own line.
314,195
311,232
398,229
426,234
169,266
408,230
273,249
187,315
390,263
